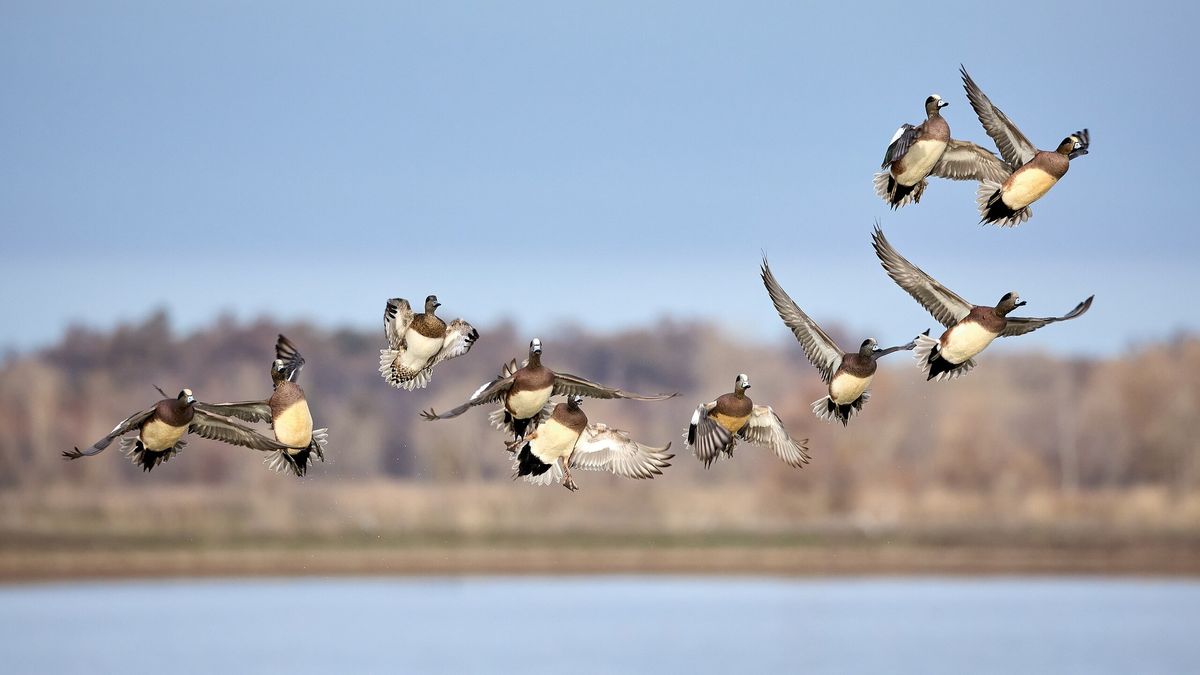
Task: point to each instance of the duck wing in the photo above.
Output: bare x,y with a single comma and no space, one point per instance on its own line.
820,349
944,304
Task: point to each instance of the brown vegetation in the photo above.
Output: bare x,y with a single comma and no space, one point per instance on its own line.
1029,453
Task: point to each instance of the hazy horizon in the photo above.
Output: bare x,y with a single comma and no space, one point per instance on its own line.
600,164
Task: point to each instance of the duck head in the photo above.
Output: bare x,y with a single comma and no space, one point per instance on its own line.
741,384
185,398
431,304
535,352
277,374
933,104
1008,303
868,347
1075,145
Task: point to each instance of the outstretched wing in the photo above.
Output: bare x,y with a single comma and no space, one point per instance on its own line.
601,448
396,317
125,426
766,429
1018,325
820,349
292,361
568,384
902,140
963,160
249,411
707,438
460,336
490,392
220,428
1014,147
944,304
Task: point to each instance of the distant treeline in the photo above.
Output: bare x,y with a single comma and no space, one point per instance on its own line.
1014,438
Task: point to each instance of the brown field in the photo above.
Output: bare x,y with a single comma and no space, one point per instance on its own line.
1031,464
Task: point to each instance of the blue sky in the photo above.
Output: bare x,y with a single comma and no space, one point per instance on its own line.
600,163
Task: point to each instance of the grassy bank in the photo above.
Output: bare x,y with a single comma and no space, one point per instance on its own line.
293,528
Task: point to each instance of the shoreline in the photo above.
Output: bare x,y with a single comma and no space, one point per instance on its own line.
1156,560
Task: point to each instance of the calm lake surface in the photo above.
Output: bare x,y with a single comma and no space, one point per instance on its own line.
603,625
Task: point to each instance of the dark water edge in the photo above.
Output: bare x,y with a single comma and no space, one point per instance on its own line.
664,556
603,624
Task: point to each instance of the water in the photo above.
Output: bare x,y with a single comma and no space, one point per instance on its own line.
603,625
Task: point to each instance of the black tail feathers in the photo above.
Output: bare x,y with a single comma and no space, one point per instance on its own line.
996,210
528,465
898,192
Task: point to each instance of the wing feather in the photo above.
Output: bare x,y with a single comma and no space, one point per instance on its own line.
820,349
123,427
220,428
489,392
567,384
249,411
903,139
1018,325
706,438
963,160
944,304
766,429
396,317
601,448
292,361
460,336
1014,147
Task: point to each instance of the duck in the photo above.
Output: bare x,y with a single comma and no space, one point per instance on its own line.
525,393
286,410
717,426
917,152
418,342
847,375
161,427
565,440
1028,173
970,328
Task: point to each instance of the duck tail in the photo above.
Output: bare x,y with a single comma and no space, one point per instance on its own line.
142,456
824,408
399,377
528,464
993,210
895,194
928,356
504,421
298,461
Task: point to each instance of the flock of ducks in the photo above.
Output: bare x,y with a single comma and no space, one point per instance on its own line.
546,440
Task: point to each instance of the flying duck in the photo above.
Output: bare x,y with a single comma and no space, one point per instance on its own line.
915,153
717,426
525,393
286,410
565,440
1028,173
161,428
969,328
418,342
847,374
